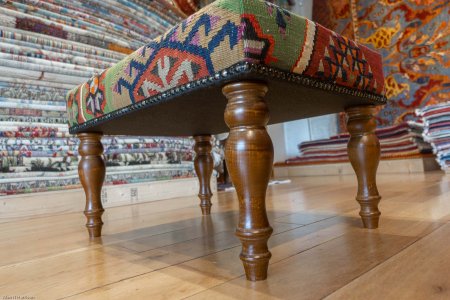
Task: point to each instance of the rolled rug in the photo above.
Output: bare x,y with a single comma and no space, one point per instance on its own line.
48,47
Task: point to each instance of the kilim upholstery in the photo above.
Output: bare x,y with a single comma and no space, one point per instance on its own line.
227,40
271,66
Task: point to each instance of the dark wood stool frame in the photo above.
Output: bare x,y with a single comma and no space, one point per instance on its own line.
249,157
364,154
204,164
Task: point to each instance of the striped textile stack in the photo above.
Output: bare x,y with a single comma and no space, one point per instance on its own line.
435,120
47,48
400,141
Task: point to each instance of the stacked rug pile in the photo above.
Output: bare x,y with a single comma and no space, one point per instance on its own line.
48,47
435,120
400,141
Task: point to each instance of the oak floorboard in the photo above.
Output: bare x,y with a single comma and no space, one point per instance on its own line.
317,272
208,271
66,232
89,268
419,272
166,249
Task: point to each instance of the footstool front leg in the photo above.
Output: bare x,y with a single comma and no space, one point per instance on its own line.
249,157
204,164
364,154
91,170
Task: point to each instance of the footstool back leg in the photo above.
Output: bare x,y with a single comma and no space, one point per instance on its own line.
204,164
364,154
249,157
91,170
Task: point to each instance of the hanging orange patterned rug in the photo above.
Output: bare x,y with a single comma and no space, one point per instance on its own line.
412,37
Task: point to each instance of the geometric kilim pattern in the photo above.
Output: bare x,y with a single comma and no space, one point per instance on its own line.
345,62
341,60
95,103
217,37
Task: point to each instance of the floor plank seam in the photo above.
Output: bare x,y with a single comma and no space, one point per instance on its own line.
293,223
51,256
28,218
167,245
150,213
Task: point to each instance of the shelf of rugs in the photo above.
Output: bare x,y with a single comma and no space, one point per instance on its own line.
400,141
47,48
435,123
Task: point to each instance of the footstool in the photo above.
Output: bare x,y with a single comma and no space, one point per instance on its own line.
228,66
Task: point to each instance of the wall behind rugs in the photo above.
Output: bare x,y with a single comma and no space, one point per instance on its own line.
413,36
47,48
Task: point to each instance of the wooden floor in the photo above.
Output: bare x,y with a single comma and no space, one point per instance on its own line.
167,250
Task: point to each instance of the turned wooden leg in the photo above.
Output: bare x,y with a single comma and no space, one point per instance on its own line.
91,170
364,154
249,157
204,164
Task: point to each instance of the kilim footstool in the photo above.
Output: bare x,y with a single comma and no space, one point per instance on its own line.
228,66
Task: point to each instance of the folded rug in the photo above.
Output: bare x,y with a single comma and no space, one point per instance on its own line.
435,120
399,141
